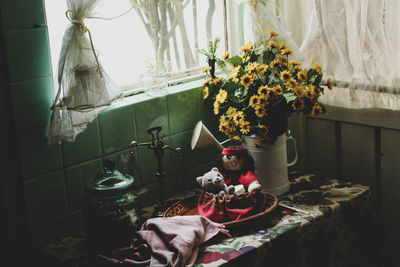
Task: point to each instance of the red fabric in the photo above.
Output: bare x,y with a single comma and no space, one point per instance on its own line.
234,151
225,207
236,177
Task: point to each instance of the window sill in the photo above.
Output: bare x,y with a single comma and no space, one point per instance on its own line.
371,117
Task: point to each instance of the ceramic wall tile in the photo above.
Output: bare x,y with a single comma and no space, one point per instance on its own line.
45,197
206,110
28,54
117,128
36,156
77,179
29,13
183,141
149,114
31,102
87,146
182,110
148,163
123,163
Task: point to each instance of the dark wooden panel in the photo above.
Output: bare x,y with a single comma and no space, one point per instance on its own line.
358,158
390,188
321,146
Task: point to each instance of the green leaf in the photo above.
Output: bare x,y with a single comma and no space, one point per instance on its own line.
259,50
206,53
236,60
221,64
268,56
290,96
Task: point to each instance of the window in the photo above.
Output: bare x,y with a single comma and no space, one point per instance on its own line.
146,33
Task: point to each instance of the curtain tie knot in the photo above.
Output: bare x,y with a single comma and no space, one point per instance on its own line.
79,22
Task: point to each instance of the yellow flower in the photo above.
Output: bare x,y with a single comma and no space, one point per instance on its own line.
235,137
271,93
226,55
263,90
262,100
316,110
278,89
274,34
329,83
308,94
274,63
298,104
205,82
245,127
247,47
294,62
222,119
283,62
285,75
262,130
260,111
217,80
231,112
286,51
283,45
297,68
291,83
205,92
247,80
252,66
253,101
302,75
317,68
216,107
222,96
258,144
262,69
298,91
273,45
238,117
222,127
315,90
233,75
206,69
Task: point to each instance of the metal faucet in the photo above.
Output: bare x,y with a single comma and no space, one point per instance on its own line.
158,147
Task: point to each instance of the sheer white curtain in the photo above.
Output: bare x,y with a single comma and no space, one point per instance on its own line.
84,89
355,42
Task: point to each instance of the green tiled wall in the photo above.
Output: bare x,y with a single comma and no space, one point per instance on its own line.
48,180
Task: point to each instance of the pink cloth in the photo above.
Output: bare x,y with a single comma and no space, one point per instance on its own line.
169,241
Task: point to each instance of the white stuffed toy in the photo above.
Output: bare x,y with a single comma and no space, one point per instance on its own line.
213,182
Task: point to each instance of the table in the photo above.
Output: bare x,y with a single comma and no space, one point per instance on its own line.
329,223
334,225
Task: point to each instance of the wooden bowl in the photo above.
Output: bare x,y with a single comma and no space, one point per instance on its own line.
189,207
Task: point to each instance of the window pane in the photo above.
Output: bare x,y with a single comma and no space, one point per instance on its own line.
125,45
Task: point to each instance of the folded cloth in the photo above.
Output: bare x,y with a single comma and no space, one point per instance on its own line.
170,241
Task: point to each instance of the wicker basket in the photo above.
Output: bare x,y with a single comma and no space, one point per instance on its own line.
189,207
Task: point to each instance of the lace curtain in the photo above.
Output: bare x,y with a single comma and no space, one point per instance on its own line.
354,41
84,89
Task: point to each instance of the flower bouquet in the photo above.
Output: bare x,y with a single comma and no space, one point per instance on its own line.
262,89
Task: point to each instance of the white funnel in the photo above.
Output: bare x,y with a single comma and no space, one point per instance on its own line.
202,137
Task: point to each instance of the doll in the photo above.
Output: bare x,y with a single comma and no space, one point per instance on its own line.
237,167
213,182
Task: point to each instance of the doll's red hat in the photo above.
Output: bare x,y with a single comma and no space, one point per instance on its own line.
234,151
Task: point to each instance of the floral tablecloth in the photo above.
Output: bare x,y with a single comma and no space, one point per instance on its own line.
331,223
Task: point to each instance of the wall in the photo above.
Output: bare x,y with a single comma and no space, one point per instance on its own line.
41,185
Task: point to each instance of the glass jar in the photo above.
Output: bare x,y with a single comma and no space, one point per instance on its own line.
109,208
155,84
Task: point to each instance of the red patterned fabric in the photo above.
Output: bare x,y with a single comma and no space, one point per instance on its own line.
236,177
225,207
